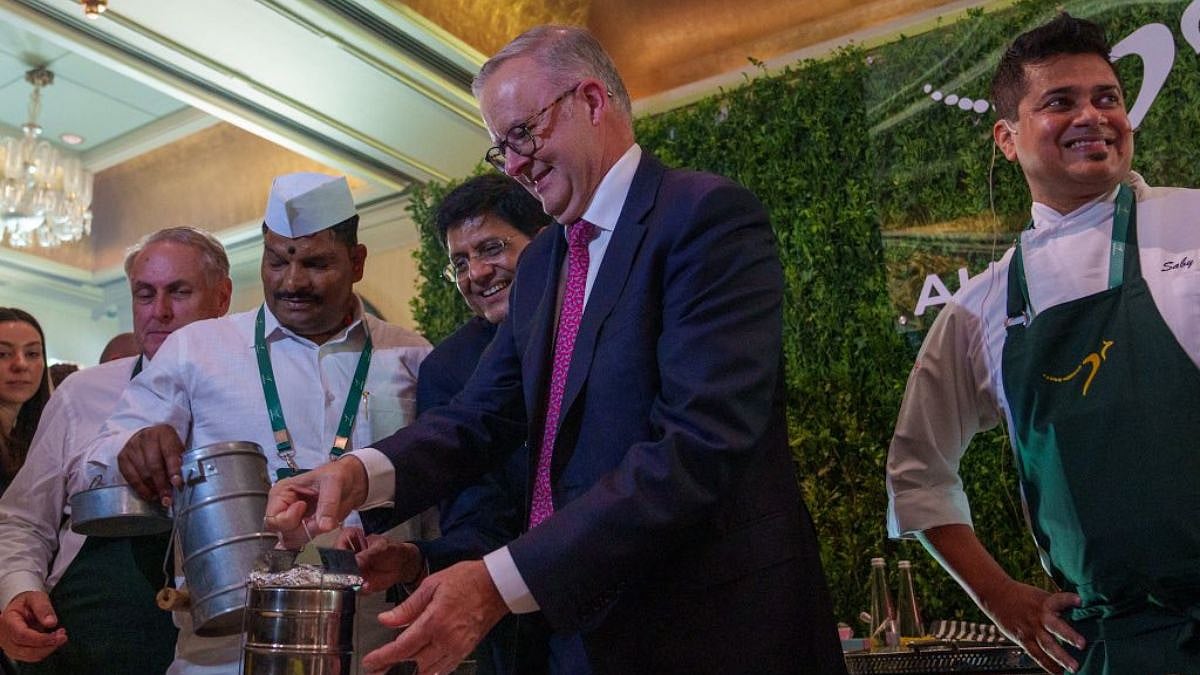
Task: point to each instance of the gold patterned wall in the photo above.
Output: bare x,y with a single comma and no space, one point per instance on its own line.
219,177
487,25
665,44
214,179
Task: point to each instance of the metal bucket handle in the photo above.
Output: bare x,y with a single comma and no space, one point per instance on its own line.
168,598
196,475
200,472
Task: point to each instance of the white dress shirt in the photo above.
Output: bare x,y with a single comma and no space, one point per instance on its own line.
204,382
33,511
956,389
603,211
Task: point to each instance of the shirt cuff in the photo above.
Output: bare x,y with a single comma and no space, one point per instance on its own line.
917,510
381,477
16,583
503,569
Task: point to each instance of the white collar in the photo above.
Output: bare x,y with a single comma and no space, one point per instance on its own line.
1099,210
606,205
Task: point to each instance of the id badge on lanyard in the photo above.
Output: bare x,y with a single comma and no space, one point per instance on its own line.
283,440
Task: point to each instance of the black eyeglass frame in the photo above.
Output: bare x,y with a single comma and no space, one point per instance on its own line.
523,134
450,271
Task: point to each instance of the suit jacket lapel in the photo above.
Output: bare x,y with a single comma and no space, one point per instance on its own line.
614,271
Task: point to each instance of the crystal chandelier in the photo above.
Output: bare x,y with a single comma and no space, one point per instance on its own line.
44,194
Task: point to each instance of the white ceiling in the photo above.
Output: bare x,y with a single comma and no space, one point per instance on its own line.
85,99
358,85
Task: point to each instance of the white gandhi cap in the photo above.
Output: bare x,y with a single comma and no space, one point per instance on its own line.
301,204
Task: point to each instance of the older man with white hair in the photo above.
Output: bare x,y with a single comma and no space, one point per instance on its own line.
57,618
306,376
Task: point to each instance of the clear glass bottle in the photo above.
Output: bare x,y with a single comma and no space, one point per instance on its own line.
883,612
910,627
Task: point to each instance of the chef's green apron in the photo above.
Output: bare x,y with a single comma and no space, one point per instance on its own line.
105,600
1105,409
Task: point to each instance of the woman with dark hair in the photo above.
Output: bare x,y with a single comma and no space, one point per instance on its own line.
24,387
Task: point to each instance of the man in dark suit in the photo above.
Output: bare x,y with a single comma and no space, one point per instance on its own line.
484,224
641,360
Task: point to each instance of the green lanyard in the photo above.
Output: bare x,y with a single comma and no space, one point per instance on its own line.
1116,250
283,440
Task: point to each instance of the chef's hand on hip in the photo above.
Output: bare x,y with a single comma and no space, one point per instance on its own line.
1032,618
29,630
319,499
446,616
150,462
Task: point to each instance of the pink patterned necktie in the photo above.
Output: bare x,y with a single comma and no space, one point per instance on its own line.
569,316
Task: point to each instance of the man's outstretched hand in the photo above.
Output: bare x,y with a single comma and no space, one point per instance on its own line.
319,500
447,616
382,561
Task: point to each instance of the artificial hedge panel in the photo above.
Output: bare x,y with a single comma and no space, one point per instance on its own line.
437,308
839,150
799,140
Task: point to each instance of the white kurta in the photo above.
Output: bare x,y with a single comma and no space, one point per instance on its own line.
956,390
204,382
33,510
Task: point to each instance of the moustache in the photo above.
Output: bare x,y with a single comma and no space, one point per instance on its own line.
297,297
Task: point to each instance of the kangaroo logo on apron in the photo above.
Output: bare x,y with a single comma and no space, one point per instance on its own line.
1094,360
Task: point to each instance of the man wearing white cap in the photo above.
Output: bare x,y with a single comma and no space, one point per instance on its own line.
287,376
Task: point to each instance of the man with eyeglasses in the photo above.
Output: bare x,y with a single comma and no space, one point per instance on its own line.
485,224
642,362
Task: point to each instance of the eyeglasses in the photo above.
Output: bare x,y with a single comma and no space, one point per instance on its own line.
520,138
488,252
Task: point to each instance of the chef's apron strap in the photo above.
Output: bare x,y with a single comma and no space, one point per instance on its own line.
1122,252
1123,258
1126,218
1017,292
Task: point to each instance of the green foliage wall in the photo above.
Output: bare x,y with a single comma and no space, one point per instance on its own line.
438,309
798,141
838,150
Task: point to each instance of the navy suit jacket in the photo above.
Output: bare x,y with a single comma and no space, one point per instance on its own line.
680,543
485,516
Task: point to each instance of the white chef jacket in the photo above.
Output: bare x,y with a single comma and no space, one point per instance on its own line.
204,382
956,389
33,511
